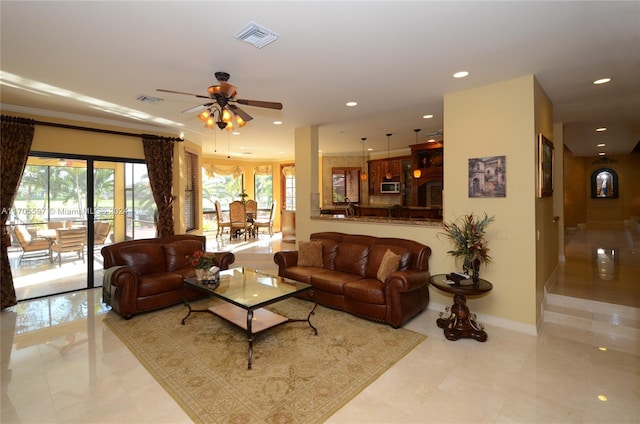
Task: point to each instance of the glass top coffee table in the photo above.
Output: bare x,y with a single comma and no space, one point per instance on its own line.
245,293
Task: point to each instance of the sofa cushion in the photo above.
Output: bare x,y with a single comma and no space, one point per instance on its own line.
351,258
153,284
301,273
176,253
332,281
390,262
146,258
310,253
365,290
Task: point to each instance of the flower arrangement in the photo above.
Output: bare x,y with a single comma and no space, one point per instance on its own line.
202,260
468,236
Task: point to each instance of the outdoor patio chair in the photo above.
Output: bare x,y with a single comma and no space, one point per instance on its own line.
68,240
29,244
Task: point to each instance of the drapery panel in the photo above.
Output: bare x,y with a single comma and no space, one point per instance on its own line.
212,170
263,170
289,171
16,137
158,154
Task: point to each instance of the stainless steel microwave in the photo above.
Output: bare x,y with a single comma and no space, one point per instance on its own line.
390,187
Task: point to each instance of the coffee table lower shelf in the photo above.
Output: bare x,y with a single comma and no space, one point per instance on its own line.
252,321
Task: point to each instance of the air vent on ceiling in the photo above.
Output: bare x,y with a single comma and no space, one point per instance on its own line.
256,35
149,99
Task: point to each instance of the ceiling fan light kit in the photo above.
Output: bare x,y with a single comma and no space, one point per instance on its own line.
222,111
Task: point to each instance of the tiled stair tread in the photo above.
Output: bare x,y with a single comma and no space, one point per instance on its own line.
580,314
602,329
593,307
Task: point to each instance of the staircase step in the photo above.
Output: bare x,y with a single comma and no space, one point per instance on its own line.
597,317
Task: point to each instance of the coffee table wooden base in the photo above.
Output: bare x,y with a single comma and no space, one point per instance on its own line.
461,323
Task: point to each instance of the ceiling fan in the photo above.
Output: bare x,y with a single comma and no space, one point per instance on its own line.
223,109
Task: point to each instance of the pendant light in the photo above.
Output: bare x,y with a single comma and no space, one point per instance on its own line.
416,172
388,175
363,174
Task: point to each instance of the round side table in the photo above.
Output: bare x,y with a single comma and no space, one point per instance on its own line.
460,322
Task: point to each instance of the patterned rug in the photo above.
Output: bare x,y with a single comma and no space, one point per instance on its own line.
297,377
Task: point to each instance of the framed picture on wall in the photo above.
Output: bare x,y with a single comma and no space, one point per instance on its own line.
545,167
488,177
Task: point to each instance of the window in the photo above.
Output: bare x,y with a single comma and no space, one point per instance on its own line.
140,205
263,186
346,185
190,190
289,187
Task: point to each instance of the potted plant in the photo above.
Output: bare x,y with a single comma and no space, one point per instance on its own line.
467,233
204,263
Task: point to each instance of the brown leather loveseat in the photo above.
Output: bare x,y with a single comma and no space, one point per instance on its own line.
381,279
142,275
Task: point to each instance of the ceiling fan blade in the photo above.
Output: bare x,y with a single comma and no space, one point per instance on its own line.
241,113
258,103
198,108
182,92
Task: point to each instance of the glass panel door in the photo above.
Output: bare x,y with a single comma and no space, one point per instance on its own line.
49,226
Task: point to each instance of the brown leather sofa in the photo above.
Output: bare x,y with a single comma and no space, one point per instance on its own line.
142,275
348,276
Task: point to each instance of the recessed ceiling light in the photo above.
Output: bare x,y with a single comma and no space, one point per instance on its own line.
277,122
601,154
352,104
370,149
431,140
461,74
235,133
601,145
427,116
601,129
602,81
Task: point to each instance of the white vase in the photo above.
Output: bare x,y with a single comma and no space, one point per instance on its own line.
201,274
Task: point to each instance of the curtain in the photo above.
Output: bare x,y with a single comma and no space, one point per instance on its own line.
263,170
289,171
158,154
16,137
221,170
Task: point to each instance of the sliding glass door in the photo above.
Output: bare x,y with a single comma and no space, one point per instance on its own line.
66,210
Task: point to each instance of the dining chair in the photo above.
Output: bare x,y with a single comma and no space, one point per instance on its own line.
238,218
222,219
266,222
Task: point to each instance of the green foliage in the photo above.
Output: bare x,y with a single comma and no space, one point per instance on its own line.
467,234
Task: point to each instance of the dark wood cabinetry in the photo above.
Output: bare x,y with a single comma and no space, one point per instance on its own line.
378,170
428,158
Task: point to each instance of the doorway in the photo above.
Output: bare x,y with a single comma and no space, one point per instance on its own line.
65,210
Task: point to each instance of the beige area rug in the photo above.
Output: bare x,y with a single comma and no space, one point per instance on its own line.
297,377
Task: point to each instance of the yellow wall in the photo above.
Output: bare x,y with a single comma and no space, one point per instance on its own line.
495,120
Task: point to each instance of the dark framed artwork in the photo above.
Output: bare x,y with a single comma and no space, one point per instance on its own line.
604,184
545,167
488,177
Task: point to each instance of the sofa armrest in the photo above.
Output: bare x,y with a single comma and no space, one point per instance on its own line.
124,290
406,281
224,259
407,294
285,259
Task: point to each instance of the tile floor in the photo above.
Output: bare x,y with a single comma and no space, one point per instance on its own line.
61,364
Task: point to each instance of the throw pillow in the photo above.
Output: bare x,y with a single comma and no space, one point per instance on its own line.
389,263
310,253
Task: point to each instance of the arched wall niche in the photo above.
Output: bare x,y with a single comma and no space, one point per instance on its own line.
604,184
